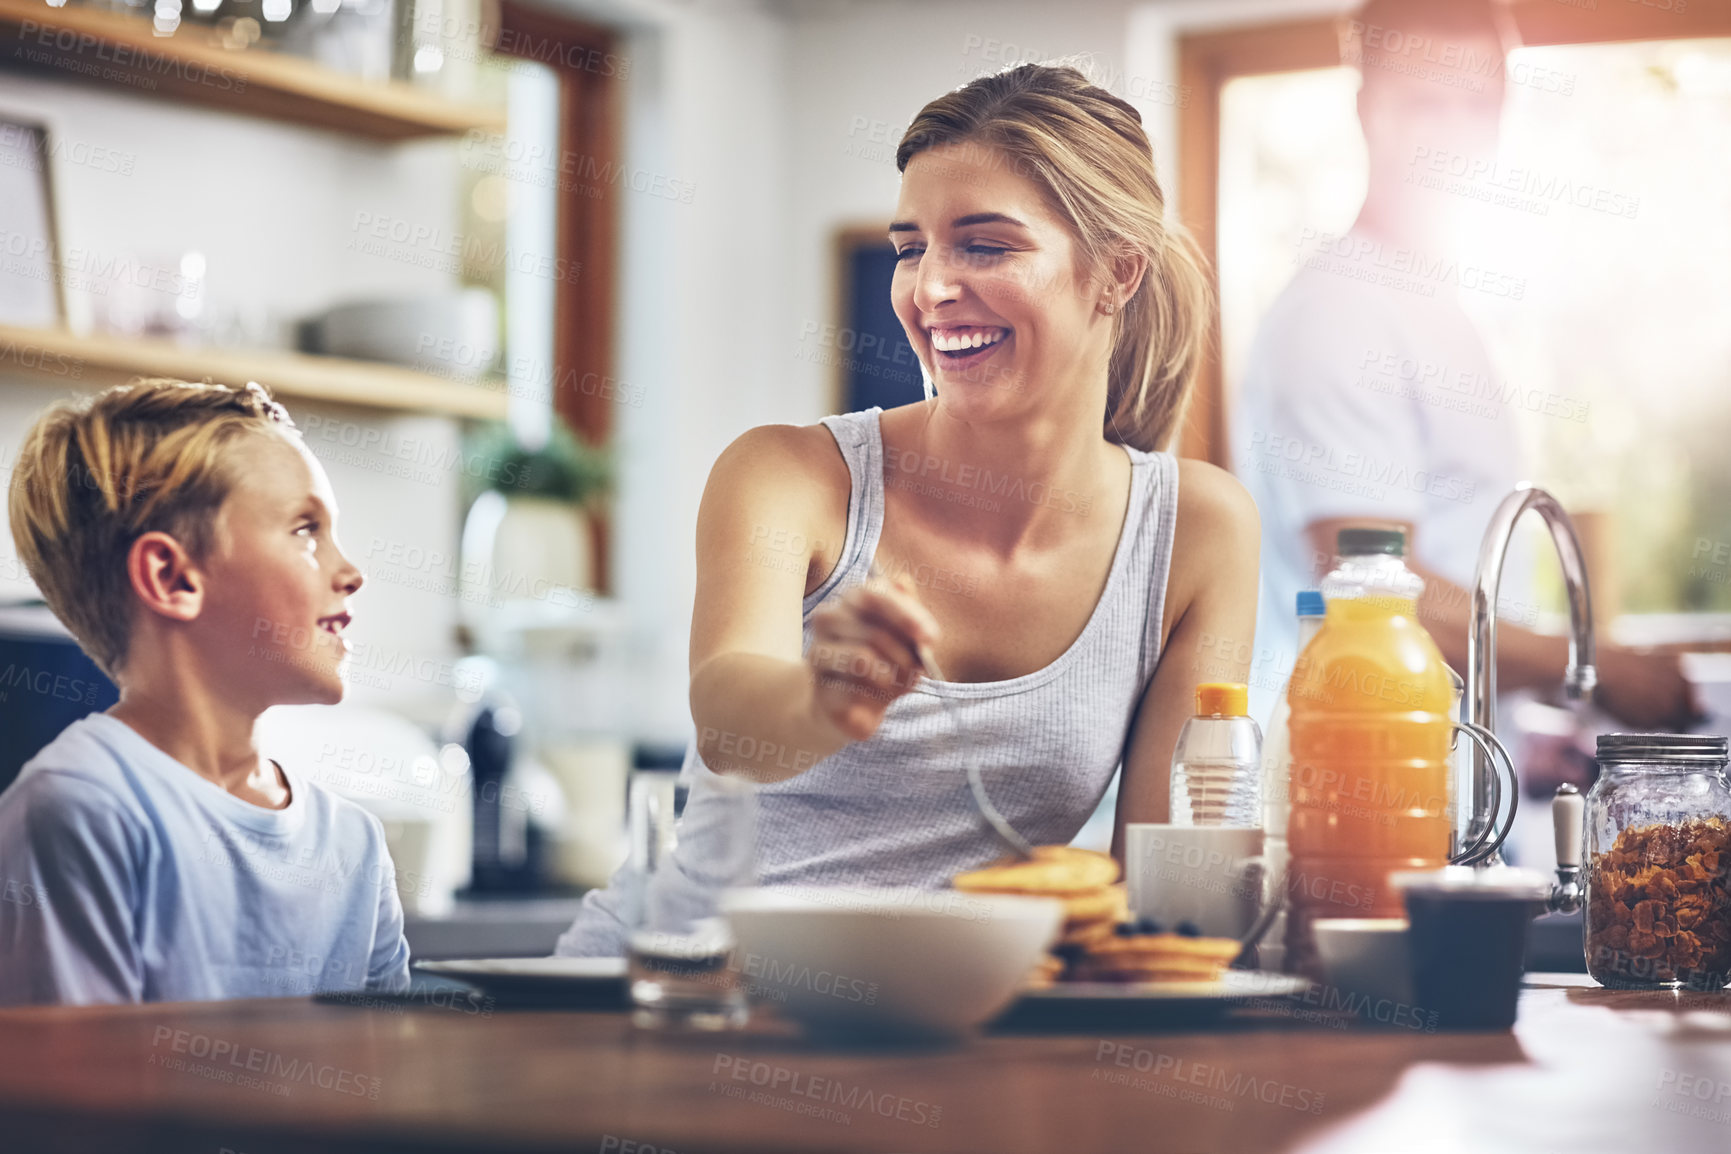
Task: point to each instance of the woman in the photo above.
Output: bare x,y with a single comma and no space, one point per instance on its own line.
1071,578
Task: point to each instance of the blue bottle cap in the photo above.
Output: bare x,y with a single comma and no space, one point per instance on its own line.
1310,603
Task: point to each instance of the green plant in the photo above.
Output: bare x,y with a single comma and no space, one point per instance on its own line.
564,469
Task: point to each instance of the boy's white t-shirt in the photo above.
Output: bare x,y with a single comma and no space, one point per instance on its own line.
125,877
1368,392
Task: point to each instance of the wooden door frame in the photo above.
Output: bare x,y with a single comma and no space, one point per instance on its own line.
1208,60
590,71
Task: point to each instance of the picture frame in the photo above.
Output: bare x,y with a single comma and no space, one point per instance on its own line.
32,292
866,349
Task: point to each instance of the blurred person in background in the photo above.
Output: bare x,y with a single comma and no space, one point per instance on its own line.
1368,397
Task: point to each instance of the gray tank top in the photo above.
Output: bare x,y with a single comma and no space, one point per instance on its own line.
895,810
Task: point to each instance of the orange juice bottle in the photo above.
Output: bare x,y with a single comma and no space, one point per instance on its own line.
1370,735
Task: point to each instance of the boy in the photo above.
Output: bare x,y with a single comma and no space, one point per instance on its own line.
188,539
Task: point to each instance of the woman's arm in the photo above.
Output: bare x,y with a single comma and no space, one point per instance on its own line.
1210,628
775,507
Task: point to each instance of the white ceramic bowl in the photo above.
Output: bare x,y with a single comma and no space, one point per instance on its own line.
1365,959
1710,676
453,335
888,963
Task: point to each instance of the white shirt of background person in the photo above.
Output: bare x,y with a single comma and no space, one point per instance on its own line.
1365,395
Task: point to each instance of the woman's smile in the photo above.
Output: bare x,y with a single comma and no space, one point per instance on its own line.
968,345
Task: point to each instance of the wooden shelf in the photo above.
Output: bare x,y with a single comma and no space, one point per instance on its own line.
192,65
98,361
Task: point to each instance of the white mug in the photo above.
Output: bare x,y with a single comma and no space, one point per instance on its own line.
1209,876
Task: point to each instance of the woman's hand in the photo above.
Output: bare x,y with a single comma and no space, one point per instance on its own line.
865,653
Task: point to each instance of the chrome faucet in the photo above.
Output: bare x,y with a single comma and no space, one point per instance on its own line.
1579,677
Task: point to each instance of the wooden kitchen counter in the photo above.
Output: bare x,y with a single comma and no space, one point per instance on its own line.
1586,1069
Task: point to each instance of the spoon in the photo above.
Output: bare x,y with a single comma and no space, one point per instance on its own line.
1000,825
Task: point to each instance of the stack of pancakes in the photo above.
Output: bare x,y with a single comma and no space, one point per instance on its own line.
1097,944
1145,957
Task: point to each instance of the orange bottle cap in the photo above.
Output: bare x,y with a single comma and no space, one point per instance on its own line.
1222,699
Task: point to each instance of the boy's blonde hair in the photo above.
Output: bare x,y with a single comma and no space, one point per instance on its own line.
96,474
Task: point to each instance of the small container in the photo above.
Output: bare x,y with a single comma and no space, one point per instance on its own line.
1217,764
1659,863
1468,942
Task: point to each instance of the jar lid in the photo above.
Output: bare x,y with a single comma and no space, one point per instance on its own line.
1665,748
1360,542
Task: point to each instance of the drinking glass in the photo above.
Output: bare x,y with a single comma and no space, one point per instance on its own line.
680,946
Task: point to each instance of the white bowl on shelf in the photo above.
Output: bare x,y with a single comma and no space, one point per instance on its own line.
888,963
453,335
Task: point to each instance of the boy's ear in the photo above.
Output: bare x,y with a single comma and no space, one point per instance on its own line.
164,578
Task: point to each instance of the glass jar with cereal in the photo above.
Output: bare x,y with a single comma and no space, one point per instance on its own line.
1659,863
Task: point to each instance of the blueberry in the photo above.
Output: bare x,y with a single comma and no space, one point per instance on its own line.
1124,929
1190,929
1149,926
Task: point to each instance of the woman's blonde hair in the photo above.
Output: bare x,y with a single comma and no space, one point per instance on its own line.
1088,153
96,474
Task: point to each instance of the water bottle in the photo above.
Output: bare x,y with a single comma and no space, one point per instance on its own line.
1277,784
1217,765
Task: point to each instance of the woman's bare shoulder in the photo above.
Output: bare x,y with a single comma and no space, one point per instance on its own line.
778,483
1208,494
1217,521
782,457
